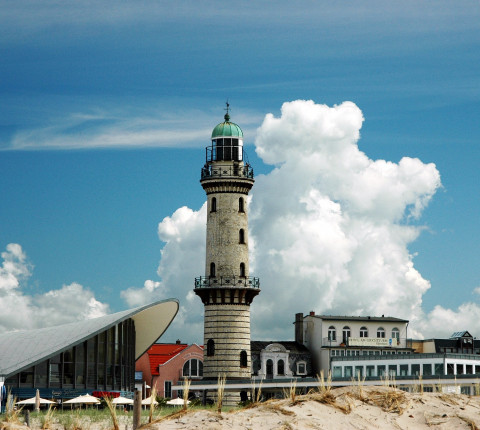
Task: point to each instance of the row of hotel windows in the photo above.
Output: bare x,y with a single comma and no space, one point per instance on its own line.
346,333
356,352
211,353
213,271
392,370
241,204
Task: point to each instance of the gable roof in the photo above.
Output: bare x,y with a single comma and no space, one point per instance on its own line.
22,349
459,334
161,353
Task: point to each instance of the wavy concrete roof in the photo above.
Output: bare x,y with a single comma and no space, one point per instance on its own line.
22,349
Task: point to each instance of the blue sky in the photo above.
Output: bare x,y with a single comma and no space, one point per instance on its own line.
106,108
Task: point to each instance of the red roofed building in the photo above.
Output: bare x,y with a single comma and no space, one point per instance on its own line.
164,364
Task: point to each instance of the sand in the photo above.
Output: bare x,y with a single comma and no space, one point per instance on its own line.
368,408
343,408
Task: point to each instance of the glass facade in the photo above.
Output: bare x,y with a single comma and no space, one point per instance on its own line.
103,362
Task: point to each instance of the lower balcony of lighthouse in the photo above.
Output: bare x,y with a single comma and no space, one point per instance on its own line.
232,290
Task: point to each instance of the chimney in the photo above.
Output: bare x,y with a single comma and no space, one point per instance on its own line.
178,342
299,327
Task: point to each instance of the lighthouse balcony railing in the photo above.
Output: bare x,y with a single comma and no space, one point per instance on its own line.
227,171
227,281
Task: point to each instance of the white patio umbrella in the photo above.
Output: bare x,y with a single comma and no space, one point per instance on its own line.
148,401
122,401
177,402
86,399
32,400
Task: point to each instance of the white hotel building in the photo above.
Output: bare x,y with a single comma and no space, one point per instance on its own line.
374,347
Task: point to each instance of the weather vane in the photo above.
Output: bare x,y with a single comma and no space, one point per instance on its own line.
227,116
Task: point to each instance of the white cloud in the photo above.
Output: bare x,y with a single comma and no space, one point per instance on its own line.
20,311
182,259
331,228
127,127
442,322
330,224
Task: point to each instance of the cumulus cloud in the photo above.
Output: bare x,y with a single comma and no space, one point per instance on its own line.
22,311
330,227
182,259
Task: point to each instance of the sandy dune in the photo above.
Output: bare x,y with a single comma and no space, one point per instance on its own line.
366,408
342,408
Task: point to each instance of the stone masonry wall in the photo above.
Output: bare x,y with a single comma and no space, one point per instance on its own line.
223,234
229,327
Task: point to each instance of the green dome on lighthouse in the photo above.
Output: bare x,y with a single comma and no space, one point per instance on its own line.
227,128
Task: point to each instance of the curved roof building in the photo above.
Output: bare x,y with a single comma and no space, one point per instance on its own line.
83,356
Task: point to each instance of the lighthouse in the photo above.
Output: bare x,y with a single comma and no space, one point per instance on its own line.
226,289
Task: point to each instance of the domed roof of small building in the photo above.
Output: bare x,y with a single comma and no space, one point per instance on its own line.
227,128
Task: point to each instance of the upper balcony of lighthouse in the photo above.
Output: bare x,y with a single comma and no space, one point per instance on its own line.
224,158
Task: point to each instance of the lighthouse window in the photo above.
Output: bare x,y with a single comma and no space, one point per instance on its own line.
242,269
212,269
213,207
219,143
243,359
241,236
227,149
235,149
210,348
241,207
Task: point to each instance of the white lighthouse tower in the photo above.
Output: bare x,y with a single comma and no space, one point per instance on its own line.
227,289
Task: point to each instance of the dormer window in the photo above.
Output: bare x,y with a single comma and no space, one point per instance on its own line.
301,368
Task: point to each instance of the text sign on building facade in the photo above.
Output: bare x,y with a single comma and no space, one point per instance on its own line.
372,341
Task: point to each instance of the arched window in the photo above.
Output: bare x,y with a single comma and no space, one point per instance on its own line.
381,332
213,207
193,368
396,334
281,367
241,236
242,269
241,204
243,359
332,333
269,368
346,334
212,269
210,348
363,332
